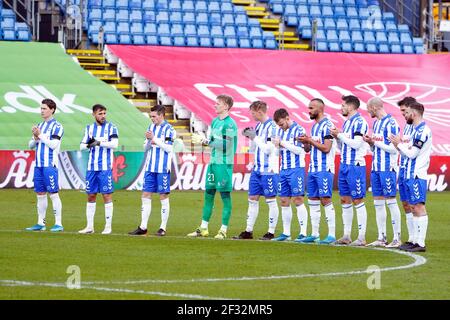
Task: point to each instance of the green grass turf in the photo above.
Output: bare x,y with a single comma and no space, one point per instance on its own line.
42,258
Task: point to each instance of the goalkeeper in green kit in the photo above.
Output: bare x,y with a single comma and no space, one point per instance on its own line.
223,144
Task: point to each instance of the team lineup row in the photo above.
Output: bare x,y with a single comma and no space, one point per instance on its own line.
279,146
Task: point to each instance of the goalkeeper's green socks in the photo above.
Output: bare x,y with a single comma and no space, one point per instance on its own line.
209,204
226,211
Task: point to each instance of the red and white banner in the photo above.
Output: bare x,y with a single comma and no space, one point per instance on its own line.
289,79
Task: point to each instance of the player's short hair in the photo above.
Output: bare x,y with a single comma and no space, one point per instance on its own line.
352,100
318,100
228,100
280,114
258,105
50,103
158,109
96,107
418,107
406,101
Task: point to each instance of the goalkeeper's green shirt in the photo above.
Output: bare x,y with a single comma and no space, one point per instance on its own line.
223,140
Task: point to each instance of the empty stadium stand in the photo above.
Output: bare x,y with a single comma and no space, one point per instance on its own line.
10,28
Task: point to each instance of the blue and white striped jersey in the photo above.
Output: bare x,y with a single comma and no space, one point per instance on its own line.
290,160
422,139
158,160
266,162
100,158
45,156
354,126
406,138
321,161
382,129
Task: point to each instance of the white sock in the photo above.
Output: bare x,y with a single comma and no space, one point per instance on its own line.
302,215
146,210
410,226
273,214
165,210
252,214
57,208
90,213
347,218
286,214
330,215
381,215
395,218
314,211
421,225
42,204
361,214
224,228
109,207
204,224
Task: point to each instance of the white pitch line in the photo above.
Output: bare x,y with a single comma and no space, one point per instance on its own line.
16,283
418,261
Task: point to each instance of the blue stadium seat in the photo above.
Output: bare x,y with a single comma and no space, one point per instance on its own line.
177,30
123,27
396,48
175,6
292,21
150,29
152,39
162,17
202,18
405,39
226,7
94,4
344,36
354,25
136,16
303,11
254,23
228,20
388,16
219,42
304,22
109,15
165,40
125,38
403,28
315,12
357,37
255,33
149,5
179,41
277,8
138,39
359,47
322,46
149,16
231,42
242,32
229,31
419,49
352,12
383,48
347,46
290,10
203,30
270,43
176,17
122,16
162,5
320,35
393,38
216,31
257,43
23,35
109,27
190,30
306,33
334,46
188,6
192,41
332,35
339,11
244,43
342,24
201,6
417,41
369,37
111,38
215,19
109,4
189,17
205,41
327,11
136,4
381,37
163,30
408,49
241,20
95,13
122,4
390,26
371,48
329,24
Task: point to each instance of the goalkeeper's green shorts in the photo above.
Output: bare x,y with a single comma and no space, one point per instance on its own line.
219,177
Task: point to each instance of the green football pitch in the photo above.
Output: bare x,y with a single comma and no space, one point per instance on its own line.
45,265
